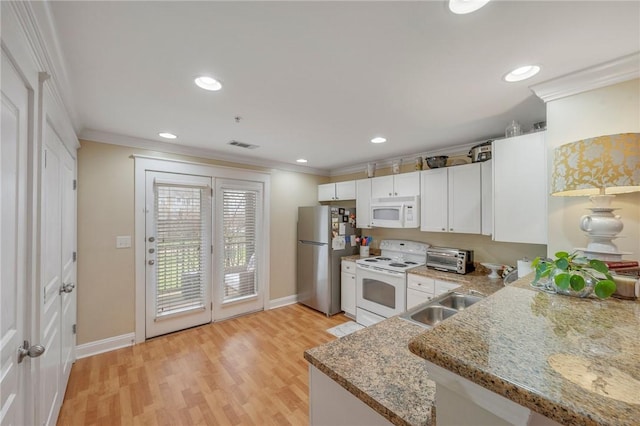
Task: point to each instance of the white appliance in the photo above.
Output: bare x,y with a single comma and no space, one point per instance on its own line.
381,281
396,212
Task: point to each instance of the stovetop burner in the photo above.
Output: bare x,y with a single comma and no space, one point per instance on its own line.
370,260
383,258
398,265
408,262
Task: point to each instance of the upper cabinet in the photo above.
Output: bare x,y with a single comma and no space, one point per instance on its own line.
363,203
337,191
400,185
520,189
486,176
451,199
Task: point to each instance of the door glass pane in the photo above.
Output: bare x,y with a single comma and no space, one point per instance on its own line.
240,257
181,225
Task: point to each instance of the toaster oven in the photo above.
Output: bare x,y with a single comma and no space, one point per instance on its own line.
450,259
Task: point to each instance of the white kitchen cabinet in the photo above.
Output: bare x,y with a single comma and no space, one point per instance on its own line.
451,199
400,185
337,191
486,175
348,288
421,289
363,203
520,189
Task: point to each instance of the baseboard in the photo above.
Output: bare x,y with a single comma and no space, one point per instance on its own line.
283,301
105,345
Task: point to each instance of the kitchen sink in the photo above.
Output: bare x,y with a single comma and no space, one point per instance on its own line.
432,315
459,301
429,314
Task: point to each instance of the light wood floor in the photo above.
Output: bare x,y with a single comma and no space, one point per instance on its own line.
248,370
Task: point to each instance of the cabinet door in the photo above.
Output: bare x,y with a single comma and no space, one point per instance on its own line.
327,192
363,203
520,189
406,184
486,176
382,187
348,294
433,200
346,190
464,199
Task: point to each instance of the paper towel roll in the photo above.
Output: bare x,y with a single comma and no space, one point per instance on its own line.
524,267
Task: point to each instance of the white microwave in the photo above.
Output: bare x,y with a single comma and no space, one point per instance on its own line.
396,212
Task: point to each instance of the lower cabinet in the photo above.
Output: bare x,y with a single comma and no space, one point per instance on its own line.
348,288
422,289
331,404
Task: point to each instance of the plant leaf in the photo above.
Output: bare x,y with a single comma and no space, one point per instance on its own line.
535,262
605,288
562,254
599,265
577,282
562,280
562,263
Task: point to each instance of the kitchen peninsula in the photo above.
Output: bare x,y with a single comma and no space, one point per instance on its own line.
573,361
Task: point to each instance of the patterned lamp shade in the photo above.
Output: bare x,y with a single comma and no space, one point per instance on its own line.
602,165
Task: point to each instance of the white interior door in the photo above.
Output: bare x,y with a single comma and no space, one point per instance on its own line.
239,248
14,375
178,252
52,280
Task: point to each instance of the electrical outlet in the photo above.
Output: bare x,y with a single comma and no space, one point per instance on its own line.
123,241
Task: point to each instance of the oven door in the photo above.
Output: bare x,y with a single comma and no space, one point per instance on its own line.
381,291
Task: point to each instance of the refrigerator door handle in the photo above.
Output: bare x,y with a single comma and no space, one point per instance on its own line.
315,243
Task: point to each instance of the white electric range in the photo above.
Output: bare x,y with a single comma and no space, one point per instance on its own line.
381,281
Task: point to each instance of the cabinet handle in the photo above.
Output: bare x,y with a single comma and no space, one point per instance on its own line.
395,193
443,229
450,229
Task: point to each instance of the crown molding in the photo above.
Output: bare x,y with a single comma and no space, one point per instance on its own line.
605,74
170,148
454,150
36,21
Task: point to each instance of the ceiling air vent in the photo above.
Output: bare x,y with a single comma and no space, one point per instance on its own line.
243,145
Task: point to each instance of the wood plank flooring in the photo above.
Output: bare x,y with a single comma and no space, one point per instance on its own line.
244,371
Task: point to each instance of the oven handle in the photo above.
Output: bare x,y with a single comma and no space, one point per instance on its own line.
380,270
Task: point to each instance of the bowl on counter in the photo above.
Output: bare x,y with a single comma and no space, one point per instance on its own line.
437,161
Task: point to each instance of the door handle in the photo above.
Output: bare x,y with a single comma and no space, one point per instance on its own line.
31,351
67,288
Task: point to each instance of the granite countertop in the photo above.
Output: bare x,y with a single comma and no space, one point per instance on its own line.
576,361
375,365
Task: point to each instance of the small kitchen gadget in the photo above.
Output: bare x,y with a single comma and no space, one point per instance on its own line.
494,267
450,259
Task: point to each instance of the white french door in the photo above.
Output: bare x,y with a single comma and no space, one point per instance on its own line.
239,248
14,325
178,252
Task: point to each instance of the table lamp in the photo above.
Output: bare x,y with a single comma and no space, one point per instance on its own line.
599,167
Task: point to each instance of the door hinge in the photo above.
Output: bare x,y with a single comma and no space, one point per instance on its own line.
45,158
211,191
212,306
75,184
74,329
211,248
75,256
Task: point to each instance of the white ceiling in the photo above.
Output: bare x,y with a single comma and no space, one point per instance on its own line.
319,79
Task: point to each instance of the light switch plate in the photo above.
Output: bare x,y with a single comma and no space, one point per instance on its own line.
123,241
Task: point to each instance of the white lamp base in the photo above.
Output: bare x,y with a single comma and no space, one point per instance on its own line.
602,255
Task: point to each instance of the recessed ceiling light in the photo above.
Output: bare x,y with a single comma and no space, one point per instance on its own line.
301,160
167,135
461,7
378,140
208,83
522,73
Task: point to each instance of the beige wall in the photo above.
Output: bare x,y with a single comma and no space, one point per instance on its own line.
609,110
106,276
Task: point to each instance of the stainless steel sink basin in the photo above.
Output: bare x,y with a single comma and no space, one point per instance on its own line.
439,309
459,301
432,315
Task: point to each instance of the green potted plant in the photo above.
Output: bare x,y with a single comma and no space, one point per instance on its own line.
574,275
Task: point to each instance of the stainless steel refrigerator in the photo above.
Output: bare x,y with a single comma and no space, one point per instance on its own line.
319,254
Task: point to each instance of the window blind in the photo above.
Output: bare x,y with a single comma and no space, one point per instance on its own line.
181,225
240,257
